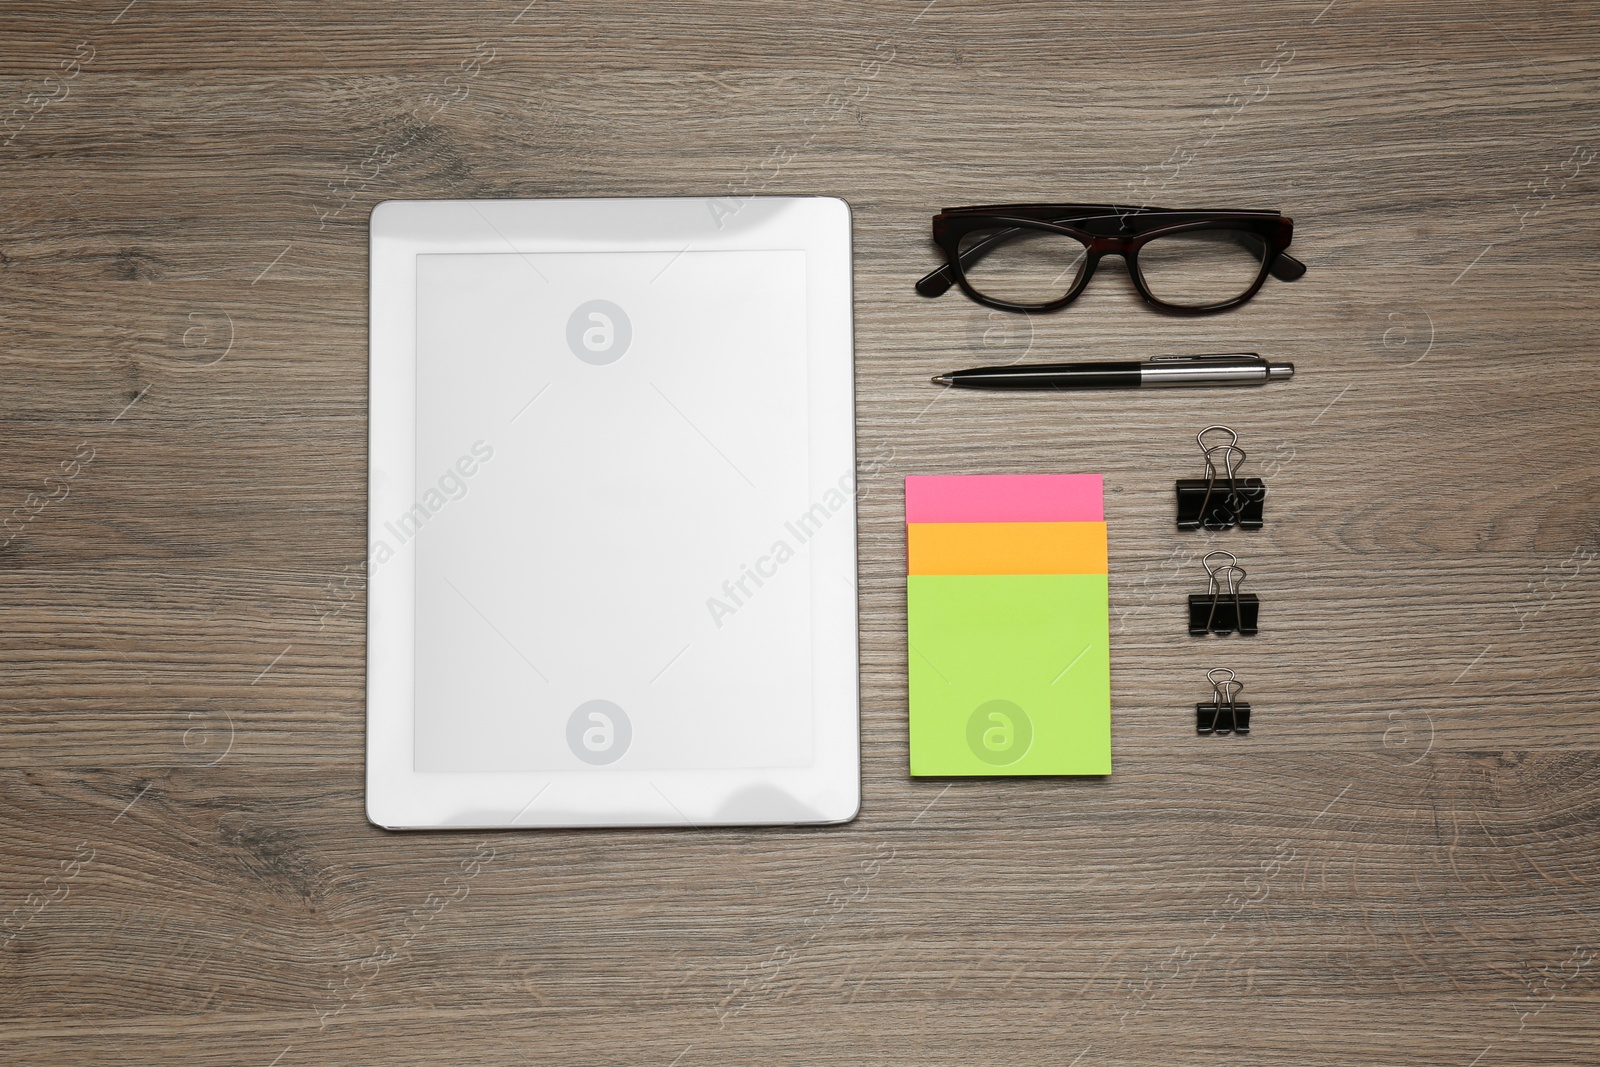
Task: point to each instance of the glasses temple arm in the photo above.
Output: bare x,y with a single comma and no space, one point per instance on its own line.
938,282
1286,268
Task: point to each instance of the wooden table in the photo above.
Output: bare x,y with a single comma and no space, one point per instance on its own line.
1398,866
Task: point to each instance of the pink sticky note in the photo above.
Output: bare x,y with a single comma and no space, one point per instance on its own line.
1005,498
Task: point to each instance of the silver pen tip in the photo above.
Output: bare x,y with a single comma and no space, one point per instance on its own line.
1280,372
943,379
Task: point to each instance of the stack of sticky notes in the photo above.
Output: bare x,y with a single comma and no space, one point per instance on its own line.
1008,625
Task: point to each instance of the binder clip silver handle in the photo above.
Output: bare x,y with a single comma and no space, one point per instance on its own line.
1225,714
1204,503
1222,608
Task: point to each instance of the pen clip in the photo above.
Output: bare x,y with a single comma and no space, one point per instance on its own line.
1207,357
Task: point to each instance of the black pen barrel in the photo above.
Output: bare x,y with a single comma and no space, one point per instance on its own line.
1051,376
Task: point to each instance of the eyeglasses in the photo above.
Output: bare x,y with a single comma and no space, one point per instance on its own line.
1039,257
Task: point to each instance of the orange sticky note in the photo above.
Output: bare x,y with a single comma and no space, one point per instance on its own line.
1006,548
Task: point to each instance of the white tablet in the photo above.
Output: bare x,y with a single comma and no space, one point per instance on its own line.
611,572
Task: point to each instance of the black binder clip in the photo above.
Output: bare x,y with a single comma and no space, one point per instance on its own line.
1223,715
1222,609
1220,501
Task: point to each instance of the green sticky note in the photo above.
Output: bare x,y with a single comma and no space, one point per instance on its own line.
1009,674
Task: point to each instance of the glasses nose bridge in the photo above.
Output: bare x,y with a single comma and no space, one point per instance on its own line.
1118,245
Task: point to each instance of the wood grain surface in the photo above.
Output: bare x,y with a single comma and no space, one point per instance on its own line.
1401,865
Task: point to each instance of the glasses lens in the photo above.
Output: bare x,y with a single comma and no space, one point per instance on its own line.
1021,265
1201,268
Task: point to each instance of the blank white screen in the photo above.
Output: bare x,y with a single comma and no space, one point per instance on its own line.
606,505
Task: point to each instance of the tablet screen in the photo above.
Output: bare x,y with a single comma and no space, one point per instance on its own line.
610,512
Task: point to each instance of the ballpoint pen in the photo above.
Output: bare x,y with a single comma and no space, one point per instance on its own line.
1240,368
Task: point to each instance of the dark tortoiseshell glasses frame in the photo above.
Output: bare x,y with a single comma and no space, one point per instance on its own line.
1105,229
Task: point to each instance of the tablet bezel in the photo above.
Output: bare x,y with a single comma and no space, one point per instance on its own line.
398,796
